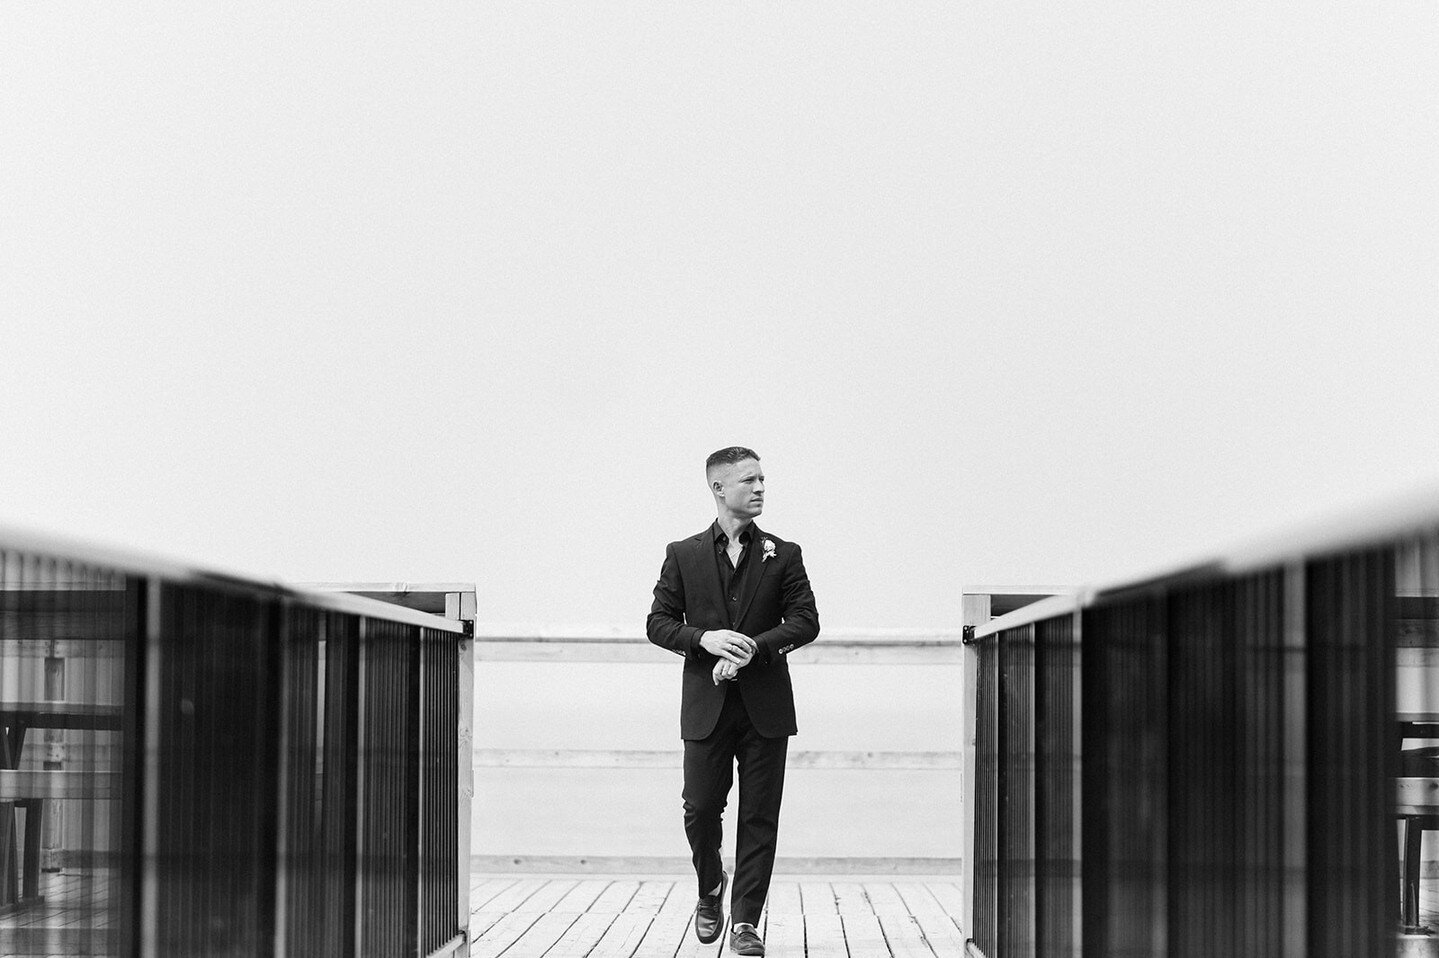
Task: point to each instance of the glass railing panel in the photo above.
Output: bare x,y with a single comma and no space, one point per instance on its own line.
1415,630
67,635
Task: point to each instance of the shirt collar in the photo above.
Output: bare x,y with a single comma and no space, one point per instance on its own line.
745,537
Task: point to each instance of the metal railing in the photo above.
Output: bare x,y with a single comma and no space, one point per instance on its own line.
202,764
594,712
1206,762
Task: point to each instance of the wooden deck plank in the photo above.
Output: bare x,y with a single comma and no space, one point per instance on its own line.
663,937
942,934
649,898
514,896
73,917
918,899
52,941
582,896
824,936
904,937
670,925
548,896
542,935
784,934
502,933
481,893
863,936
784,899
692,947
884,900
948,895
623,936
616,897
481,922
850,900
581,937
682,901
679,901
817,898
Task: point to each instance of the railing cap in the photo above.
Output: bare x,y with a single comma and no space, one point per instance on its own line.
617,634
130,562
453,600
1399,517
1050,608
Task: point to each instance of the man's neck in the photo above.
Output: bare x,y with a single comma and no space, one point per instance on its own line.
732,526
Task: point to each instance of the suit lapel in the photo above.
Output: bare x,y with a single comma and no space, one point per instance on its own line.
706,563
756,557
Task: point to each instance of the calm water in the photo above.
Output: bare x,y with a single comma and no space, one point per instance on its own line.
636,812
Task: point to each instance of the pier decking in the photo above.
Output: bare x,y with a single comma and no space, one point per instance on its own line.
73,918
623,917
551,917
588,917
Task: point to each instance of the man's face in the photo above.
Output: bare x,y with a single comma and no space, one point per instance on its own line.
741,488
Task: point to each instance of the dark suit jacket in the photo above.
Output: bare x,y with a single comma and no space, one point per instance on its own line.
777,611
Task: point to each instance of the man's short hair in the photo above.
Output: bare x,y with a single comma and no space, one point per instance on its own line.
728,456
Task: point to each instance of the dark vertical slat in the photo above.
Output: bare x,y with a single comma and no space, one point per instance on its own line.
1124,778
1056,787
340,785
1294,932
447,721
216,775
131,806
389,853
302,865
1264,706
1351,751
269,650
411,744
1203,747
1016,793
408,737
986,789
439,865
1226,859
1225,811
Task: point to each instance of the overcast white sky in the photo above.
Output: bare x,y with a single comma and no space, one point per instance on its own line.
1002,293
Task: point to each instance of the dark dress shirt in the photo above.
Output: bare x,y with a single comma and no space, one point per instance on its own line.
733,577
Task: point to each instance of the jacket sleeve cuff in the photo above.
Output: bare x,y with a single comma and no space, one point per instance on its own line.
765,644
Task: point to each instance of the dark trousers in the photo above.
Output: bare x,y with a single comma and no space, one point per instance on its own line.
709,772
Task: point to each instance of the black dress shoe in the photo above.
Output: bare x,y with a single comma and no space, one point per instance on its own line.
709,913
746,941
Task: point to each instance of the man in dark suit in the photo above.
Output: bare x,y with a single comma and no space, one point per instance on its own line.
734,601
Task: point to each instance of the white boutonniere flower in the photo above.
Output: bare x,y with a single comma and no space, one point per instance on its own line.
768,550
